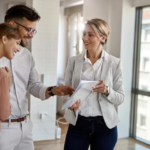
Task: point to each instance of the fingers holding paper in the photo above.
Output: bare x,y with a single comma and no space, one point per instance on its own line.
100,87
76,105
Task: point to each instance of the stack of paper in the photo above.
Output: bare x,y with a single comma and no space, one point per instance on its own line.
83,90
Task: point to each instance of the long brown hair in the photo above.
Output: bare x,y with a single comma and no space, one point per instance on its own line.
8,30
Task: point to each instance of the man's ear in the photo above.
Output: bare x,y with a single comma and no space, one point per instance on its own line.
12,23
4,39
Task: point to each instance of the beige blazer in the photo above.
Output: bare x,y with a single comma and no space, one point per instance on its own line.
112,76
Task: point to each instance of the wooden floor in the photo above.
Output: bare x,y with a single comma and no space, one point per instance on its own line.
122,144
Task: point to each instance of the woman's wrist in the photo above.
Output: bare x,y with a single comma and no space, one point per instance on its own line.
107,91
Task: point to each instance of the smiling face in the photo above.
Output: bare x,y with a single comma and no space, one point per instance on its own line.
24,33
90,39
10,47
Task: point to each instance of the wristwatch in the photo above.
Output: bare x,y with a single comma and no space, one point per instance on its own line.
50,90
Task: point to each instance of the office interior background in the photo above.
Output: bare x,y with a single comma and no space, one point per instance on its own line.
60,37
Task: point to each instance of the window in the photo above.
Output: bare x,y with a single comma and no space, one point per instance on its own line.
143,121
145,63
140,116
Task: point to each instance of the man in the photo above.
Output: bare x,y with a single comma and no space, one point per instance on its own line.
16,131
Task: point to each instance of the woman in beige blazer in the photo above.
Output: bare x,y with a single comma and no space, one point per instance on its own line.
9,41
94,122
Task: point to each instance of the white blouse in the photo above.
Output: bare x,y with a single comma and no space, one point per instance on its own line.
90,106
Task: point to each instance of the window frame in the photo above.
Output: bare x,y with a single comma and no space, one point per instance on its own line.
135,78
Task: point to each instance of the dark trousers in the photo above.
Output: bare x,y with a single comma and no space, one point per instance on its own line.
90,131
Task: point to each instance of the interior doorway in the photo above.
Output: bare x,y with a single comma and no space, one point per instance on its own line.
75,32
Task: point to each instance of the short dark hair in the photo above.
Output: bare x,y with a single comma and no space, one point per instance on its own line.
18,12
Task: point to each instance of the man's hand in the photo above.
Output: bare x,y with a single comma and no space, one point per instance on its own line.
76,105
61,91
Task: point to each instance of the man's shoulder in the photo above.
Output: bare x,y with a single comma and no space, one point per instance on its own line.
24,50
23,55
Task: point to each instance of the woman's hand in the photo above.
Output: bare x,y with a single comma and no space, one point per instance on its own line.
8,71
101,87
76,105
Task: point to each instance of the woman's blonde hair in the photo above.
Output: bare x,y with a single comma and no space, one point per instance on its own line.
100,27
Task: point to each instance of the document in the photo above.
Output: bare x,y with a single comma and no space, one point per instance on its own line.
83,90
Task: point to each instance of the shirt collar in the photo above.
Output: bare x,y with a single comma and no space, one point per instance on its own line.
86,59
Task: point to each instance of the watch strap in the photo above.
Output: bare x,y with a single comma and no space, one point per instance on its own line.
50,91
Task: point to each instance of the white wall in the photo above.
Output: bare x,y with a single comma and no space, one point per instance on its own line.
29,3
45,51
137,3
115,22
4,7
62,46
127,48
96,9
120,16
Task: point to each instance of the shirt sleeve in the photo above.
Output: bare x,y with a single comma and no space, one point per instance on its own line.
5,108
35,87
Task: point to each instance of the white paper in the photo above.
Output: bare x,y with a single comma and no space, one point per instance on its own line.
83,90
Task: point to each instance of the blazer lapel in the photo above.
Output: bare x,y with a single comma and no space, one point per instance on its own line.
79,64
78,68
105,67
105,70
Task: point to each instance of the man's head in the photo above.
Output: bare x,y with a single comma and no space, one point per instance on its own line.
25,19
